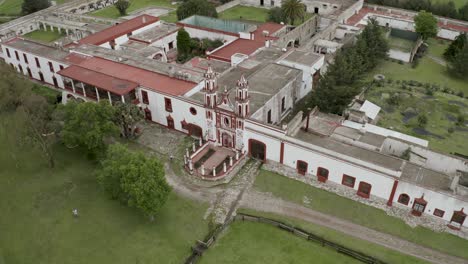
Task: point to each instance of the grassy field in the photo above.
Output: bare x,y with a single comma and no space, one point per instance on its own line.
374,250
13,7
458,3
112,12
249,13
37,224
44,36
441,109
248,242
358,213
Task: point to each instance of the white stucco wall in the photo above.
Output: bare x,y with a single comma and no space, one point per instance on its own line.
199,33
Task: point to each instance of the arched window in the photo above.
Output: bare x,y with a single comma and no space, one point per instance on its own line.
364,189
404,199
193,111
322,174
240,110
302,167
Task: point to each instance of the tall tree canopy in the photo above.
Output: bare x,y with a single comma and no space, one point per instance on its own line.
459,64
127,116
276,15
293,10
196,7
455,47
426,24
88,124
31,6
134,179
122,6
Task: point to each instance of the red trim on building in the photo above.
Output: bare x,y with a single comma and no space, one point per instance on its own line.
361,190
322,177
282,153
302,171
259,142
418,203
392,194
345,176
404,199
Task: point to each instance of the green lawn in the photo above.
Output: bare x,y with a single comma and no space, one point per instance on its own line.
437,47
458,3
438,109
245,13
371,249
358,213
248,242
13,7
44,36
112,12
37,226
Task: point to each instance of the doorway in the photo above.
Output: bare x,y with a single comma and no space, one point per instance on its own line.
257,149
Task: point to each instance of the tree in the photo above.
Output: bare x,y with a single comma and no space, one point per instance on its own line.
122,6
31,6
196,7
87,125
455,47
463,12
127,116
426,24
422,120
183,44
276,15
134,179
293,10
459,65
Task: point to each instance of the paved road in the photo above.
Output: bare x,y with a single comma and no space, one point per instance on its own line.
266,203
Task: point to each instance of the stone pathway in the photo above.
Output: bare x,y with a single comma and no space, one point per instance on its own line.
437,60
267,203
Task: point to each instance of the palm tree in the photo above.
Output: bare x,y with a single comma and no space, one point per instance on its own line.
293,9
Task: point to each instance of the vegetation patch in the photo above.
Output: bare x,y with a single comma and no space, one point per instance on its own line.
44,36
113,12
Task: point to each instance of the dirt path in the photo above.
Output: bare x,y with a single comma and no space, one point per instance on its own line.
437,60
266,203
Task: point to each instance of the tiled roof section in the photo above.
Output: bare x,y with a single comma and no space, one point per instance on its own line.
243,46
247,46
103,81
151,80
121,29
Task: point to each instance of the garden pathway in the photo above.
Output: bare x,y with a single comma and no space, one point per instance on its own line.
437,60
267,203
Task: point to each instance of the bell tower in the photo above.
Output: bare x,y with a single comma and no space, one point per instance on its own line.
242,98
210,89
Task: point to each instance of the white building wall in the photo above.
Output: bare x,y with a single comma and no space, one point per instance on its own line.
164,42
199,33
399,55
43,62
434,199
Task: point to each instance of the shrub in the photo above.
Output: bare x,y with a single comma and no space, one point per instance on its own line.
422,120
429,91
460,120
451,130
460,94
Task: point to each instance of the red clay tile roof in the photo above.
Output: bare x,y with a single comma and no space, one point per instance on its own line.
121,29
106,82
271,27
148,79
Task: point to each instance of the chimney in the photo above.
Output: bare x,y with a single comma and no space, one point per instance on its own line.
143,19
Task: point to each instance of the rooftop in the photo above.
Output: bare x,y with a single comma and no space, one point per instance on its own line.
97,79
243,46
37,48
156,33
230,26
119,30
148,79
303,57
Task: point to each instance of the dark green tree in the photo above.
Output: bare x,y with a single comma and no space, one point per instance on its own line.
88,125
31,6
422,120
426,24
127,117
463,12
455,47
293,10
459,65
183,44
196,7
134,179
122,6
276,15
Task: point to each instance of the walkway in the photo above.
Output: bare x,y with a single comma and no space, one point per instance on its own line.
437,60
266,203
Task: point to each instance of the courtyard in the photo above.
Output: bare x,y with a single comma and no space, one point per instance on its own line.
44,36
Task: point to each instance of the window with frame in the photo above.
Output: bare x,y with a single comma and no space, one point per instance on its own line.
8,53
61,67
51,66
419,206
17,55
322,174
193,111
144,97
404,199
302,167
269,117
25,57
364,189
168,104
37,62
439,213
348,181
283,104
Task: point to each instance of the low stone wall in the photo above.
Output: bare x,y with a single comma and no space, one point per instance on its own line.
396,210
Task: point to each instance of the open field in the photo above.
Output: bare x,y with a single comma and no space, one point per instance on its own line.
44,36
13,7
250,13
37,224
458,3
112,12
248,242
441,109
332,204
374,250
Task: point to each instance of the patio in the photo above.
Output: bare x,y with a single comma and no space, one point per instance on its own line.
212,162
